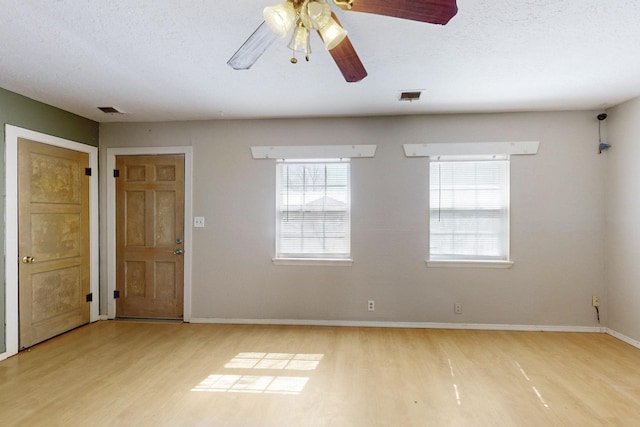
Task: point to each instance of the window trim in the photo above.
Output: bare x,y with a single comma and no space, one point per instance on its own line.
293,152
512,148
296,152
478,262
340,262
311,259
469,264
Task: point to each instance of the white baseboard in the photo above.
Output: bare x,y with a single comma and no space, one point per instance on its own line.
624,338
407,325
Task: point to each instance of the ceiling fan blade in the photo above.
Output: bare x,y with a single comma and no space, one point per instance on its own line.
431,11
347,59
253,48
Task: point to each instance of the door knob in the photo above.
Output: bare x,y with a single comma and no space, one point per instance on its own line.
28,259
178,252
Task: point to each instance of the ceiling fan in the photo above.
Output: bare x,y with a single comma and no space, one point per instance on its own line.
308,15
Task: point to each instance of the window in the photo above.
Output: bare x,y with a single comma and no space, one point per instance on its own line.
469,209
313,209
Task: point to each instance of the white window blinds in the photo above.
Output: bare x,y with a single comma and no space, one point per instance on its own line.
313,209
469,210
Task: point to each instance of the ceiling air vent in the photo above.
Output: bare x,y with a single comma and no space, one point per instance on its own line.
410,96
110,110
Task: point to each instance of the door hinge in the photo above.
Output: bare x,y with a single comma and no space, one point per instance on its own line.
89,297
116,294
87,171
116,173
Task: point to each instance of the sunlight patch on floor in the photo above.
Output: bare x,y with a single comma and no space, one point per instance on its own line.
243,382
252,384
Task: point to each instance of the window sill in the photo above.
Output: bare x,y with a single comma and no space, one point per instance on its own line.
313,261
470,264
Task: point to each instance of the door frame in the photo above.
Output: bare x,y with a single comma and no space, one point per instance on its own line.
111,218
12,134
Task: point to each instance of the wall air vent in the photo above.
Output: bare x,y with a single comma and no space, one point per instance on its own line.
410,96
110,110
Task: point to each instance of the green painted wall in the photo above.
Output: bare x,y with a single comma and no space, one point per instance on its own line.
23,112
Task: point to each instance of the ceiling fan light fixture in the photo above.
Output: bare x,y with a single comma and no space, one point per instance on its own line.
316,14
332,34
280,18
300,40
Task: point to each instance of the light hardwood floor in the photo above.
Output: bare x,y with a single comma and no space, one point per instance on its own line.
118,373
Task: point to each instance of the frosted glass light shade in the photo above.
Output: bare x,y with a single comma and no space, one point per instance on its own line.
300,40
280,18
332,34
316,15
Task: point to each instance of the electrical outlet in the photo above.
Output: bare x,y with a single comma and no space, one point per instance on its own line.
198,222
595,301
371,305
457,308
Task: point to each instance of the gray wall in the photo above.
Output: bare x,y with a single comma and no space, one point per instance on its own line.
29,114
623,219
557,222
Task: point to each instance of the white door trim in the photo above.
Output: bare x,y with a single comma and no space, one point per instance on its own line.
12,133
111,219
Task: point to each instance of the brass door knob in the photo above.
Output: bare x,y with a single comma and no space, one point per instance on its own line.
28,259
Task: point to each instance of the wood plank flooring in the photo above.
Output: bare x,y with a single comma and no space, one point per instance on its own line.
121,373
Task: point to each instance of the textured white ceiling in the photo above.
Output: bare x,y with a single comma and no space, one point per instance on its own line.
160,60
